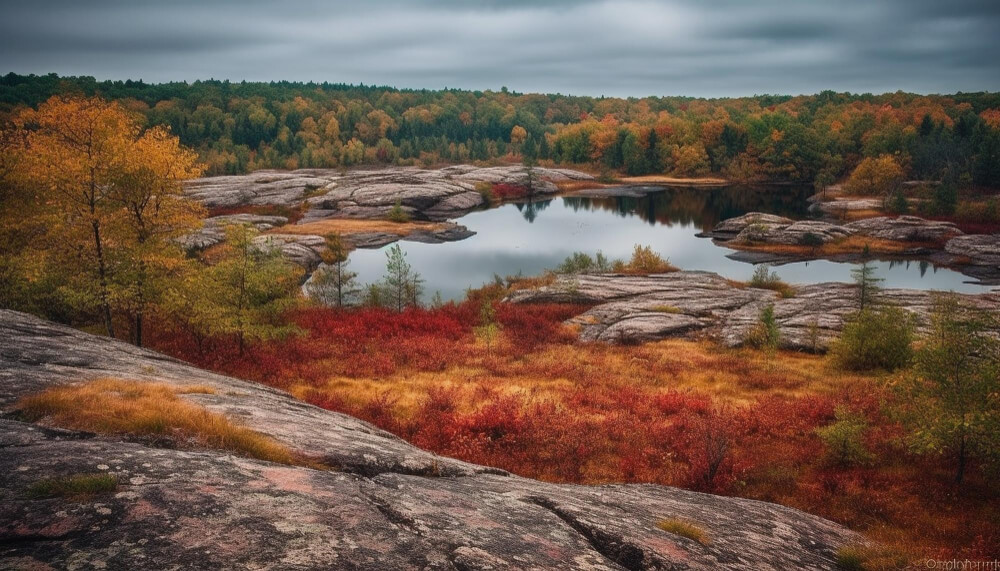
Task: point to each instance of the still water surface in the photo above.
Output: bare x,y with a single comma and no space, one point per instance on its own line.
529,238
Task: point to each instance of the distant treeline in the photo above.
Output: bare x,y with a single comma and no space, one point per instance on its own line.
239,127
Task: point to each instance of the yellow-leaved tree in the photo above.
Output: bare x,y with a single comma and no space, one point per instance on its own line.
112,198
152,212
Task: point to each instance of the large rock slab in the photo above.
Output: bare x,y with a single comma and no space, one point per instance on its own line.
905,229
391,506
370,193
213,230
259,188
634,309
978,249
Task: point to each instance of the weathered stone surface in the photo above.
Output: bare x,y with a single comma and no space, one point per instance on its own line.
980,249
285,188
844,205
732,227
630,309
392,507
757,227
426,194
302,249
905,229
214,229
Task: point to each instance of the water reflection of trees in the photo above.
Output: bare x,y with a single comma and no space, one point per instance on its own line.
531,208
923,265
702,207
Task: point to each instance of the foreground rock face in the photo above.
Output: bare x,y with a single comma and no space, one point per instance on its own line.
424,194
391,506
632,309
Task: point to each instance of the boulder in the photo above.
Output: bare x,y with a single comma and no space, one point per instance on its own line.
213,231
905,229
803,232
979,249
370,193
302,249
388,506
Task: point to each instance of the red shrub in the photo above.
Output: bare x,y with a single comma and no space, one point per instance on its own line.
506,191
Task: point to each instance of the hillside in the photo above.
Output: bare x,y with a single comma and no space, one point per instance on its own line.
380,502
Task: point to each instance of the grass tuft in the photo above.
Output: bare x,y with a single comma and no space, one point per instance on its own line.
684,529
152,410
77,486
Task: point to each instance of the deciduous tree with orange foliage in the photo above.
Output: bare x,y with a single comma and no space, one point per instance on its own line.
113,201
876,177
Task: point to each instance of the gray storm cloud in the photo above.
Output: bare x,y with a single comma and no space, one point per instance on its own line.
622,48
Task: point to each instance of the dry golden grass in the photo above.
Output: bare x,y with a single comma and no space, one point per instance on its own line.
574,185
684,529
150,410
673,180
346,226
849,245
556,373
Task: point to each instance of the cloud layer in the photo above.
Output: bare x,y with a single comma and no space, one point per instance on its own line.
621,48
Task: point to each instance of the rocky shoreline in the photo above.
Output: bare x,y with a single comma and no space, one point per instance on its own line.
423,195
387,504
760,237
692,304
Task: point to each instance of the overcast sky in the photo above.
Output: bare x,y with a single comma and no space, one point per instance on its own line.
621,48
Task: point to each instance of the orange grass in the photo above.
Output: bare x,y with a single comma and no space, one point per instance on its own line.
346,226
538,403
153,410
849,245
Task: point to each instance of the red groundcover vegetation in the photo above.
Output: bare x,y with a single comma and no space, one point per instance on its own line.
540,404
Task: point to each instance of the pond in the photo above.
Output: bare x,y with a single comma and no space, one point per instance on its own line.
530,237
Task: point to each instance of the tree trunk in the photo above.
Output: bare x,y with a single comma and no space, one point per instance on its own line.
960,474
102,273
138,328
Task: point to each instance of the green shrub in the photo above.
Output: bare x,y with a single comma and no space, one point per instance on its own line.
765,334
765,279
76,486
845,438
875,338
485,189
397,214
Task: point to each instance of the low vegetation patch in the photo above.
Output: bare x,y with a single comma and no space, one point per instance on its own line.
147,410
684,529
764,278
74,487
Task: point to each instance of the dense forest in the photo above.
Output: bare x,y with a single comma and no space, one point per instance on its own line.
239,127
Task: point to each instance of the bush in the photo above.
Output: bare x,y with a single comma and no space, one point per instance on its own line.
875,338
765,279
765,333
811,240
485,190
845,438
644,261
397,214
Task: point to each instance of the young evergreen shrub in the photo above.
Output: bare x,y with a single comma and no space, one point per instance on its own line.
876,338
765,333
397,214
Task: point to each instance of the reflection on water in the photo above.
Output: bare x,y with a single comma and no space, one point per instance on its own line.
528,238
